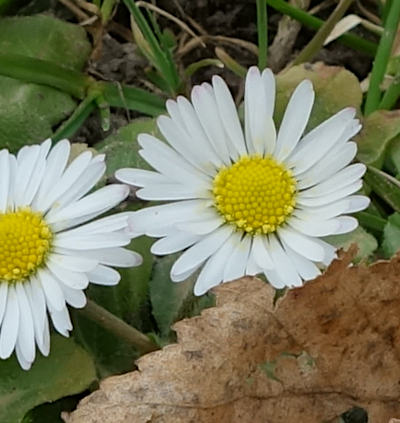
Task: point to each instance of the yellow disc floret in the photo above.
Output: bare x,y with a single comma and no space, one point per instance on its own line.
256,193
24,242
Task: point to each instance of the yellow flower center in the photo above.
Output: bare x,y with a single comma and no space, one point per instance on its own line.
256,193
24,242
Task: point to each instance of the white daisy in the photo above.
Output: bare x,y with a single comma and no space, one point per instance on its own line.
244,204
47,257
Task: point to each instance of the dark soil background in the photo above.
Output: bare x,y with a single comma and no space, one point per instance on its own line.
118,59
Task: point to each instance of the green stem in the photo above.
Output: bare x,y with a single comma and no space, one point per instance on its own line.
312,22
118,327
106,10
43,72
230,62
391,95
76,120
262,31
382,58
317,41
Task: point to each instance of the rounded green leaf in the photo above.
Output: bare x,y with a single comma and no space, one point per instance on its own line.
68,370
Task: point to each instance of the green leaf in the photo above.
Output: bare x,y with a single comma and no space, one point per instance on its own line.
379,128
335,88
121,149
391,236
385,186
68,370
28,112
172,301
127,300
47,38
366,243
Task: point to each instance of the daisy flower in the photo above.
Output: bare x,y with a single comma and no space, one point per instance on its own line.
253,201
48,253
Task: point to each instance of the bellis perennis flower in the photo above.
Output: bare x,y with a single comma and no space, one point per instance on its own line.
48,253
252,201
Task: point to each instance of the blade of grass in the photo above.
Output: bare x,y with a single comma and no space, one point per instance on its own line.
262,32
317,41
371,221
166,67
312,22
382,58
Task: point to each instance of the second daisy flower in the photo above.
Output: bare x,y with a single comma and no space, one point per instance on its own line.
252,201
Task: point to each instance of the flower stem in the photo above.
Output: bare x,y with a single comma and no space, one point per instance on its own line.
312,22
262,31
317,41
382,58
118,327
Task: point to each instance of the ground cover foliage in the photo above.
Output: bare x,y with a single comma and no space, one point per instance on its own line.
324,352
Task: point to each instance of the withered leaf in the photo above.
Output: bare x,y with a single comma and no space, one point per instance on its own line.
322,349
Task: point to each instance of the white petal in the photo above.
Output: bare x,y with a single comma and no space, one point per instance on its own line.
26,162
10,325
302,244
204,103
91,241
52,291
203,226
306,268
154,217
140,177
261,133
345,177
181,141
56,162
260,252
199,252
119,257
103,275
26,338
295,119
315,226
283,266
274,279
12,161
332,162
25,365
35,295
342,192
236,265
61,321
86,182
37,173
329,250
74,280
106,197
177,241
197,135
73,262
113,223
228,115
163,192
72,174
347,224
357,203
315,145
74,297
213,271
168,162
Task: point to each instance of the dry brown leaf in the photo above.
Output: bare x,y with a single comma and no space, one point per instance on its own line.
324,348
